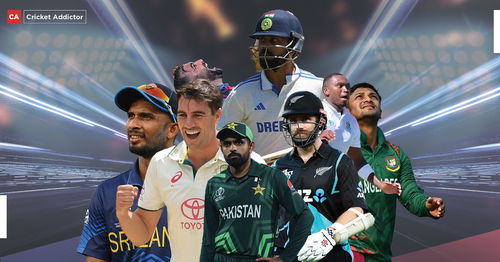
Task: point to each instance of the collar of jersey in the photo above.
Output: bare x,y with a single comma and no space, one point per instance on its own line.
290,78
133,175
321,152
251,171
339,115
380,139
179,154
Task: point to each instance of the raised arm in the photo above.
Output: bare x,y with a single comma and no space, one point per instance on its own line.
138,225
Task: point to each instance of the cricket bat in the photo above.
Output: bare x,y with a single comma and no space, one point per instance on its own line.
270,158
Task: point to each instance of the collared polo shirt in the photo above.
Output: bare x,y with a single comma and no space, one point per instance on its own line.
345,127
170,182
391,164
240,213
329,185
258,104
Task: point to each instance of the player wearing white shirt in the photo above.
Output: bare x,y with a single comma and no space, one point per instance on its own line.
342,130
258,101
258,104
179,176
345,127
174,184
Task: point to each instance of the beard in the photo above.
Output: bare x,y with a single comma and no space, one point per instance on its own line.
236,160
151,148
270,63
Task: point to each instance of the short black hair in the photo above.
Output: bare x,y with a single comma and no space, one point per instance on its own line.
366,85
330,76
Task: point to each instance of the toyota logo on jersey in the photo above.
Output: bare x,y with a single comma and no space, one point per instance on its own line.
193,208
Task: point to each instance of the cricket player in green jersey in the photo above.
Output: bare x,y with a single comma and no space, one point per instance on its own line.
242,203
390,164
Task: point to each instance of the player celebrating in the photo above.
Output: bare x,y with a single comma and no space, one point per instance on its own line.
342,130
241,205
326,179
390,163
151,127
190,71
258,100
177,177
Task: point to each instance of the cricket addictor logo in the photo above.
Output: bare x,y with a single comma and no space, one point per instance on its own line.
193,209
37,16
14,17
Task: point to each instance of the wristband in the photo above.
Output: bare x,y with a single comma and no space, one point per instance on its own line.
365,171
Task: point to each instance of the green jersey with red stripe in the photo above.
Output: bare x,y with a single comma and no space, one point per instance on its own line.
390,163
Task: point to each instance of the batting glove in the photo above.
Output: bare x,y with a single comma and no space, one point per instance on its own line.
317,246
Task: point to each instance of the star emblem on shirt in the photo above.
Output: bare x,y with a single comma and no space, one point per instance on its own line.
258,189
232,125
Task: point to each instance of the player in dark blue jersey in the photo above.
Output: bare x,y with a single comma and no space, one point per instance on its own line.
326,179
151,126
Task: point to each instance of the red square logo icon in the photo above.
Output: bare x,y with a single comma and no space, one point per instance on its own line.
14,17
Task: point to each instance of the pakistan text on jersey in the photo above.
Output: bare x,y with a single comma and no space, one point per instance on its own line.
267,127
120,243
240,211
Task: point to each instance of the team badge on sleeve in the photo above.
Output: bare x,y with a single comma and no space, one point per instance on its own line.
391,164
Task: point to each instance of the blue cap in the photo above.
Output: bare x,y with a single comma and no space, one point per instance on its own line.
278,23
158,95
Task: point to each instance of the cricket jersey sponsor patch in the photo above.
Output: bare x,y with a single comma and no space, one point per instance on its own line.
269,126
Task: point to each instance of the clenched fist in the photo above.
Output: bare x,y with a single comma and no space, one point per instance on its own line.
125,196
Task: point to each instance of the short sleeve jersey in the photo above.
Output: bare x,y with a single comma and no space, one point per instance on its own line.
345,127
258,104
171,182
102,236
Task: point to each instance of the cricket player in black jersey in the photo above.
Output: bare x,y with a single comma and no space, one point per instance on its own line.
327,181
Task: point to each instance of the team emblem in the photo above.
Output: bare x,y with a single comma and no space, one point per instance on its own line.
219,194
348,126
321,170
391,164
266,23
258,189
232,125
